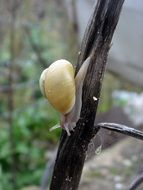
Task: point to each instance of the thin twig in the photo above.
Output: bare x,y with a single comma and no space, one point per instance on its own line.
36,48
45,182
136,183
13,12
122,129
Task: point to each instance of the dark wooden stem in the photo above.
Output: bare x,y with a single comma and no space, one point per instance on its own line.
137,182
96,43
122,129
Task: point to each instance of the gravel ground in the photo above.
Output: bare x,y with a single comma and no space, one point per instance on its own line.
115,168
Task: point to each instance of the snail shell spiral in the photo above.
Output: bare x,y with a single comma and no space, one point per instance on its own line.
57,84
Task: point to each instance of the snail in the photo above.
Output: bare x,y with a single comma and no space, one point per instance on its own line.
63,90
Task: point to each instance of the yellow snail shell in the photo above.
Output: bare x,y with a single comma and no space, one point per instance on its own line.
57,84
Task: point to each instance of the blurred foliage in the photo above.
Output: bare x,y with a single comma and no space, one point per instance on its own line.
32,138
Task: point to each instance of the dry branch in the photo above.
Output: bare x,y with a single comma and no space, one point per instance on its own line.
122,129
137,182
96,43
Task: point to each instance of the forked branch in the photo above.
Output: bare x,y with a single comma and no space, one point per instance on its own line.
96,44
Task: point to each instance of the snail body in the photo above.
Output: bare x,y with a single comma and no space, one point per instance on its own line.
64,91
